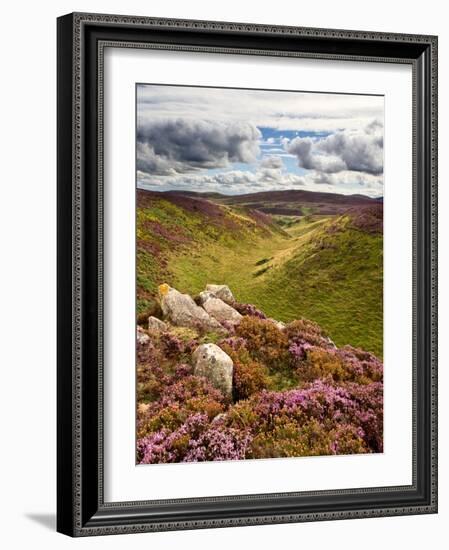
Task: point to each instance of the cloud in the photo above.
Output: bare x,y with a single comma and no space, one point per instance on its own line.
300,110
231,178
270,168
271,162
233,181
353,150
345,178
170,146
236,141
151,163
240,181
310,157
270,173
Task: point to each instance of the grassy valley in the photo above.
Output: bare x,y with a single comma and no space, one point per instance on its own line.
291,254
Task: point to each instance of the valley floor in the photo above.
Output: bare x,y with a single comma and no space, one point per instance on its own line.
288,279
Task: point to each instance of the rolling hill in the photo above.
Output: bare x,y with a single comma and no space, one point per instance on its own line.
291,254
289,202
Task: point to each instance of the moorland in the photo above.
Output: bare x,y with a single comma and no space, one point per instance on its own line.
293,254
259,326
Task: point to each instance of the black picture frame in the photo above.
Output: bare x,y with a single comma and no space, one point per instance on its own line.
81,510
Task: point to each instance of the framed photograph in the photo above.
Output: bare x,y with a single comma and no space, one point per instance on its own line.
247,247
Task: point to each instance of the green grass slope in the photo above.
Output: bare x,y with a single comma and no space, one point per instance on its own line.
179,239
334,277
327,269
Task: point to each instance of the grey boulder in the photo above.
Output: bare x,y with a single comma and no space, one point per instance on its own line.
181,310
214,364
156,324
218,309
142,336
221,291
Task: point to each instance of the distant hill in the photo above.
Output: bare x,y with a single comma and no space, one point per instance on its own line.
290,202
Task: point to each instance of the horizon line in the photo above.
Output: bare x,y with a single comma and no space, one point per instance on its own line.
258,192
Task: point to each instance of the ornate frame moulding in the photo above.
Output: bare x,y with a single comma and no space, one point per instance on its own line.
82,39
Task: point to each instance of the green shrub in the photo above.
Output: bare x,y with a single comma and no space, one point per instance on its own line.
248,378
321,363
288,439
264,341
346,364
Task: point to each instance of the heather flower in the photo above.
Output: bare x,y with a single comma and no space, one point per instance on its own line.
368,219
172,345
347,439
327,400
364,365
324,403
304,331
228,326
179,397
195,440
250,310
190,387
341,365
164,446
182,371
234,343
298,351
219,443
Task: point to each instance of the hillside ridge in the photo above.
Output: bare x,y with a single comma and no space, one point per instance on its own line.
294,202
327,268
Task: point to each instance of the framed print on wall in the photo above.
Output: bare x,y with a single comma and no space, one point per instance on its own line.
246,274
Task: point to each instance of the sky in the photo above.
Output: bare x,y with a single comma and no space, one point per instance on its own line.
235,141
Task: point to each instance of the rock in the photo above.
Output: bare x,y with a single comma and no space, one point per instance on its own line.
219,418
279,324
221,291
331,343
214,364
156,324
203,297
218,309
142,336
181,310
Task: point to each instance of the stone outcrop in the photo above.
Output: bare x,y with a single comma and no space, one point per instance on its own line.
181,310
142,336
218,309
223,292
214,364
156,324
331,343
